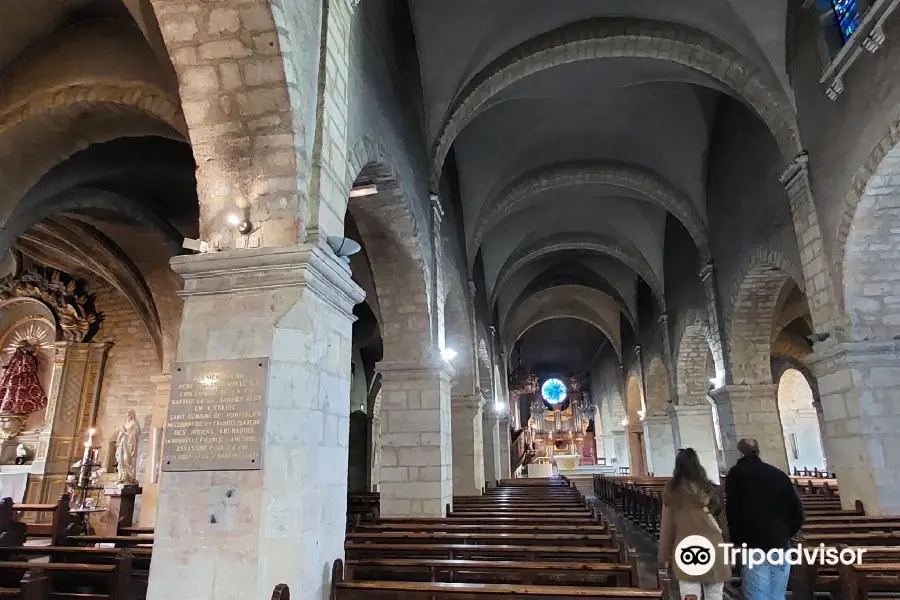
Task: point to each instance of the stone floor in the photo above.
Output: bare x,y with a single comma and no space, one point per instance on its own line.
644,545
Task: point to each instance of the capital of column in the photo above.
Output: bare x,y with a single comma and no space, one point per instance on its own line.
474,402
833,356
415,370
798,166
263,269
747,392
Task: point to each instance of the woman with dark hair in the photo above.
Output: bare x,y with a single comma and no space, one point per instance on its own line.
691,508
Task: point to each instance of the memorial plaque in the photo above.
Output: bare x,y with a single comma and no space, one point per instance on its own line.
215,420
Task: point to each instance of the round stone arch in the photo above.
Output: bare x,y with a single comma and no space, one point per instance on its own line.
634,399
624,37
575,302
800,420
871,253
387,228
657,386
752,317
647,184
859,187
694,365
630,257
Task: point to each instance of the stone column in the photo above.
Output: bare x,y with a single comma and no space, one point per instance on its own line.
695,422
468,445
751,411
505,466
669,359
622,451
416,452
229,535
491,435
859,388
658,436
717,344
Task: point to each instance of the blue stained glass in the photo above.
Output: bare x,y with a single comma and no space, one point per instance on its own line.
847,14
553,391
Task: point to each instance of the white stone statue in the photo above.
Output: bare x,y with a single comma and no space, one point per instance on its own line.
21,454
126,450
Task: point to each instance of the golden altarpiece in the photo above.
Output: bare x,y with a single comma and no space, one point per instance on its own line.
54,318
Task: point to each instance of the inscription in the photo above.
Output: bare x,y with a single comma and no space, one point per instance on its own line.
216,415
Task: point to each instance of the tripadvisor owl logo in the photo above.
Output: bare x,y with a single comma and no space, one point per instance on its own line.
695,555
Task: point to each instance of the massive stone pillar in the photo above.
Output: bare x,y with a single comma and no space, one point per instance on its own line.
490,422
416,451
229,535
468,445
859,388
751,411
505,465
621,452
660,442
697,428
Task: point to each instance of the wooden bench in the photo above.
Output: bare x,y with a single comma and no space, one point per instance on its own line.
480,571
59,581
57,529
529,553
518,539
809,580
343,588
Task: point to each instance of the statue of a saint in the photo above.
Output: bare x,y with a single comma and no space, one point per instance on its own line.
21,454
126,450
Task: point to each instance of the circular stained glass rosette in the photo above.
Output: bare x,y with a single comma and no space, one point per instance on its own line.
553,391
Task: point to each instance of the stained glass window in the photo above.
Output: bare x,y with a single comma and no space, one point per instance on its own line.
553,391
847,14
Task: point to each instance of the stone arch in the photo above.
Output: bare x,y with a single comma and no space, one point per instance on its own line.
623,37
657,386
872,250
584,304
859,185
693,363
752,319
799,421
231,71
628,256
387,228
648,185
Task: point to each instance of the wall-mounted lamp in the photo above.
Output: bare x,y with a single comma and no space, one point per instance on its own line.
641,413
625,422
364,190
498,406
243,226
716,382
448,354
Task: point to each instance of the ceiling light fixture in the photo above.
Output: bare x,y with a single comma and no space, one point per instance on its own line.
364,190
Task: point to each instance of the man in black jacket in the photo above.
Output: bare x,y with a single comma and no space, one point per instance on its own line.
764,512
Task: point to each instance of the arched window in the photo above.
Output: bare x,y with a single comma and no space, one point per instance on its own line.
839,19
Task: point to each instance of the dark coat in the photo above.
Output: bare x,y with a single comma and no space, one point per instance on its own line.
690,511
762,505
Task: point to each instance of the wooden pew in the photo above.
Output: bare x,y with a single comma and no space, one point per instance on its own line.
809,580
344,588
449,551
517,539
66,581
58,528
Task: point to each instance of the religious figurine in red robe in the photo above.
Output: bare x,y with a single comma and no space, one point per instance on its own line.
20,389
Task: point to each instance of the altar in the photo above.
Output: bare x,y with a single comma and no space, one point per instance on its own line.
540,469
566,462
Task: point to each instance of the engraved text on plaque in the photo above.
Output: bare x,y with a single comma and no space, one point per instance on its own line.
215,420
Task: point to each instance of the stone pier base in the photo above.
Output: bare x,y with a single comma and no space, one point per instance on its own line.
490,424
233,535
660,440
697,429
859,388
416,451
468,445
751,411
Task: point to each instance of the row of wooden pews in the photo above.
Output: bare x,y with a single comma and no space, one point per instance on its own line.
827,525
72,567
526,538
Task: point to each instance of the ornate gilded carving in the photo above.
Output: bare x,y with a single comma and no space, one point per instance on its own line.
70,302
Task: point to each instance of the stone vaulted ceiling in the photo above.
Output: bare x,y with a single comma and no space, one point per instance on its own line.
571,170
